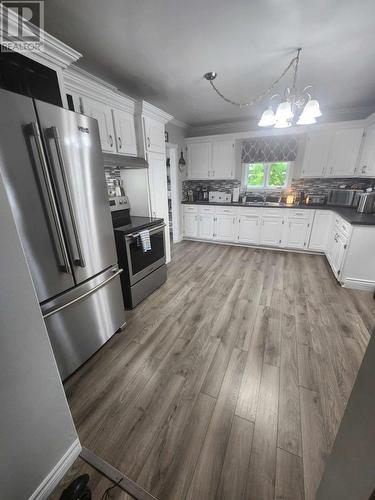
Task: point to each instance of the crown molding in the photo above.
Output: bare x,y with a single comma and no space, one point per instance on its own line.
53,50
83,83
146,109
180,124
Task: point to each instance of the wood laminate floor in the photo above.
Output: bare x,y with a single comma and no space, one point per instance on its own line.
230,381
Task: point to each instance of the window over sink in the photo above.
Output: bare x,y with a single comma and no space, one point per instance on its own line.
266,175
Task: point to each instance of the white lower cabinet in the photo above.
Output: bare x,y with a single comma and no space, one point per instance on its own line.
206,226
191,225
226,227
320,231
249,229
271,230
296,232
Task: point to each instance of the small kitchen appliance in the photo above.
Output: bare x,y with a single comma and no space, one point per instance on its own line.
220,197
366,203
341,197
315,199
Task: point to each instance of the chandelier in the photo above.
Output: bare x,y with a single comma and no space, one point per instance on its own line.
294,107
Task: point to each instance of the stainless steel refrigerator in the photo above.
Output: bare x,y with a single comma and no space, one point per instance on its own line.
52,165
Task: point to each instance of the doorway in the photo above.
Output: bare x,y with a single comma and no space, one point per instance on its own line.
174,192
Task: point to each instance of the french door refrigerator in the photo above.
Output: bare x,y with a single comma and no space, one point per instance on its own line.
52,165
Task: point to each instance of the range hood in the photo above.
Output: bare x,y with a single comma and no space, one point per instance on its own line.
123,161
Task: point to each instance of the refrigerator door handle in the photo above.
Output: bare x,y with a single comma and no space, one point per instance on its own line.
55,213
116,272
56,137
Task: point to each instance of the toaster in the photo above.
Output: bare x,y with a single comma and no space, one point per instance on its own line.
220,197
315,199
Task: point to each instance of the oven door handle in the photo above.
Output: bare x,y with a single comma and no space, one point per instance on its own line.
151,230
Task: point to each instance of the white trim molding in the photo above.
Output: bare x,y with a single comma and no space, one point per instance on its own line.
50,482
54,51
356,284
180,124
146,109
82,83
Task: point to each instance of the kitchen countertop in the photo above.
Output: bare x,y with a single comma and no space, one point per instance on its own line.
349,214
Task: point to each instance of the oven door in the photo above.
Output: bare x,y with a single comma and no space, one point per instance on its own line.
142,263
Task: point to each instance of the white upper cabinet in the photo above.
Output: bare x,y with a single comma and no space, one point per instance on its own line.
126,141
366,165
222,160
344,152
211,160
199,160
316,154
154,135
332,153
103,115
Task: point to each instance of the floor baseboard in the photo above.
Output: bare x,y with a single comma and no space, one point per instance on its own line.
58,472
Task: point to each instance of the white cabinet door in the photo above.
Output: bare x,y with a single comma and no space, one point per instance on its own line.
199,160
344,152
103,115
316,154
206,226
249,229
340,253
125,132
154,135
296,232
366,166
222,160
191,225
271,230
320,231
157,175
226,228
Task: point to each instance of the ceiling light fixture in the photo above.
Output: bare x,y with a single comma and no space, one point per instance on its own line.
292,104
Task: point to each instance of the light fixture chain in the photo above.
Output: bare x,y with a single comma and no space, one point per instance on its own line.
260,96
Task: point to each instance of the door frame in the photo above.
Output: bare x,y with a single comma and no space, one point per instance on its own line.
176,191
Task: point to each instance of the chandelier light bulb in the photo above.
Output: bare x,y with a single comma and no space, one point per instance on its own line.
268,118
306,119
312,108
284,111
282,124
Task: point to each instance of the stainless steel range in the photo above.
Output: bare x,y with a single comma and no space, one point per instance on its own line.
52,165
144,270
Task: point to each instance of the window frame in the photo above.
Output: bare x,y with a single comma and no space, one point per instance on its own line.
265,186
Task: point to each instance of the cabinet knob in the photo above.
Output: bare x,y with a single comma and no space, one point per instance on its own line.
148,142
119,142
110,140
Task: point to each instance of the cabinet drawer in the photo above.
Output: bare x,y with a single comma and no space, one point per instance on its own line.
250,211
226,210
206,210
342,226
300,213
192,209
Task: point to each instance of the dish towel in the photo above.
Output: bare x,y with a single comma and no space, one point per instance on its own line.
145,240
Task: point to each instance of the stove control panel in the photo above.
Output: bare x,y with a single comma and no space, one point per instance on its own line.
118,203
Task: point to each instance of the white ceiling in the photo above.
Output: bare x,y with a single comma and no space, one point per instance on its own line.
159,50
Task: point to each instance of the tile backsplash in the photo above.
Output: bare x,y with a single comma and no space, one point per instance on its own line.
315,186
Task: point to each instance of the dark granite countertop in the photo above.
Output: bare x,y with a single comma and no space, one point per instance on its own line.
349,214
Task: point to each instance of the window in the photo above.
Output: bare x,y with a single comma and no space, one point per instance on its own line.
266,175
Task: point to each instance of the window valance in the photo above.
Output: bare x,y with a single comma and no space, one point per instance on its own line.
269,149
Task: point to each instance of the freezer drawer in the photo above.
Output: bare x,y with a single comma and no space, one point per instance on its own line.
83,322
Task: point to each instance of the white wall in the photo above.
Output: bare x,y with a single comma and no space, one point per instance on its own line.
350,470
36,426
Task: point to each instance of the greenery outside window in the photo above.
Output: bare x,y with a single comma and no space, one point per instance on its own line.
274,175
